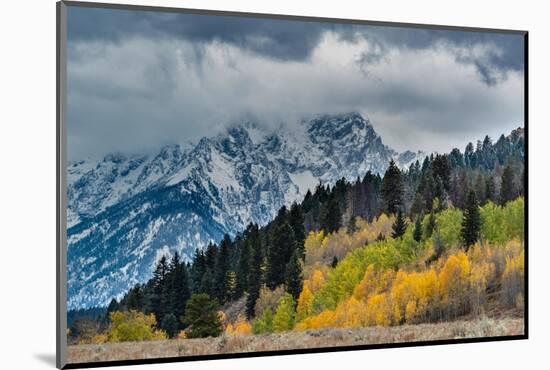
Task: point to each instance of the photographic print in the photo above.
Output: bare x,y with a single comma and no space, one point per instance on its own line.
244,184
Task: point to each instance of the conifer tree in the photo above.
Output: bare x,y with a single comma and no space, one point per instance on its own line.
230,286
471,221
179,286
281,247
480,187
296,221
417,234
331,218
201,317
243,268
352,225
392,188
170,325
159,297
135,299
469,156
399,226
490,189
442,170
460,190
207,283
210,256
222,267
198,270
507,188
255,272
293,275
112,307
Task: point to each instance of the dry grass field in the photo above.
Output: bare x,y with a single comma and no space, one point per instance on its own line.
481,327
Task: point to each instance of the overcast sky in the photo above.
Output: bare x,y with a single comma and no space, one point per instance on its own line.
138,80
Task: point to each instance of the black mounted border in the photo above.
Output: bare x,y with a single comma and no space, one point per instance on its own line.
61,185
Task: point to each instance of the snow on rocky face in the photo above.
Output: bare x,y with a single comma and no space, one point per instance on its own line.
125,212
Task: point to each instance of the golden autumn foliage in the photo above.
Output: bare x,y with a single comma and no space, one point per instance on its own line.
100,339
414,295
305,302
454,285
378,310
374,281
397,281
317,281
241,327
349,314
321,248
325,319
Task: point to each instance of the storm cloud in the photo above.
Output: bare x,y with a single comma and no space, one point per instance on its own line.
138,80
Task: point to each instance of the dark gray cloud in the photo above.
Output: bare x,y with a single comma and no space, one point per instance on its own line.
492,67
176,77
289,39
280,39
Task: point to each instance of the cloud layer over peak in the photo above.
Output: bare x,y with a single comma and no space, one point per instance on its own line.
138,80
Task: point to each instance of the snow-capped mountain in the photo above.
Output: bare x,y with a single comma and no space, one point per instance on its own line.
124,211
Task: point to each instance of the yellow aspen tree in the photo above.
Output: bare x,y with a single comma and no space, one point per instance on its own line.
305,303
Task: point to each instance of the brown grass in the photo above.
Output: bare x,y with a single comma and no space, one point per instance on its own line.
480,327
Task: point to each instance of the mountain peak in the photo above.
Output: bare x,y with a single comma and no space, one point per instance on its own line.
129,209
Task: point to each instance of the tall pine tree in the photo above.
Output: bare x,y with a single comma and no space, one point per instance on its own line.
471,221
243,268
221,270
399,226
392,189
331,217
159,297
417,234
296,221
293,275
281,247
507,188
255,271
179,286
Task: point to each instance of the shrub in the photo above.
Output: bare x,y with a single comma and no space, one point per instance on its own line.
133,326
240,328
325,319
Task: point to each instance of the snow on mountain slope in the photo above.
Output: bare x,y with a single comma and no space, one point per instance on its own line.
125,211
